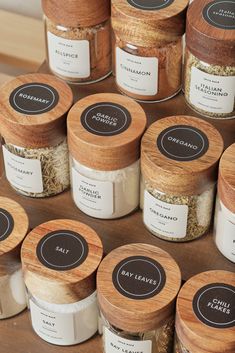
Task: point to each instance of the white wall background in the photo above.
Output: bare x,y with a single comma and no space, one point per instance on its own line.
24,7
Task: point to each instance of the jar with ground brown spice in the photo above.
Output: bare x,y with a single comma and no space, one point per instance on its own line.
148,47
78,39
209,79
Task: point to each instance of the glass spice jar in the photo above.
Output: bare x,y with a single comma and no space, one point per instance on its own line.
148,47
33,125
179,163
14,226
224,225
60,259
104,132
78,39
209,79
205,317
137,285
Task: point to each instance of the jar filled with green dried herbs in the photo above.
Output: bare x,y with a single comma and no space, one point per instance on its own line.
209,79
179,163
33,126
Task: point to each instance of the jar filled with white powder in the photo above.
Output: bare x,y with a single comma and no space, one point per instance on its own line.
14,226
60,259
104,132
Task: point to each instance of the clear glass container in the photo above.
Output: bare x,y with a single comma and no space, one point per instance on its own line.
178,347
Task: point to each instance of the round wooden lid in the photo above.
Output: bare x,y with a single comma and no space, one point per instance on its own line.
226,183
14,225
104,131
137,285
60,259
33,110
180,155
210,34
74,13
205,313
149,22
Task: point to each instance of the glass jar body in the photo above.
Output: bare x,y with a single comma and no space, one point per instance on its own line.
224,230
177,218
148,73
79,55
105,194
43,172
64,324
209,89
178,346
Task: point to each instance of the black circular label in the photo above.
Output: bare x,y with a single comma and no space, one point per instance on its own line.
6,224
220,13
150,5
106,119
214,305
62,250
34,98
139,277
182,143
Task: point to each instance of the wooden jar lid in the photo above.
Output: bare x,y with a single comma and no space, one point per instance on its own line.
74,13
205,313
210,31
226,183
137,285
33,110
180,155
104,131
14,225
60,259
147,22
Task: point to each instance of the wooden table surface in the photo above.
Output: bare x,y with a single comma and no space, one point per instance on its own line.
200,255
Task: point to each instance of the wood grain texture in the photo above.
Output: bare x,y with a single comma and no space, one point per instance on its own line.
180,177
196,336
106,152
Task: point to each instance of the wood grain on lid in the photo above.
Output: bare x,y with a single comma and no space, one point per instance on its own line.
43,129
226,182
61,287
137,315
149,28
74,13
196,336
106,152
180,177
207,42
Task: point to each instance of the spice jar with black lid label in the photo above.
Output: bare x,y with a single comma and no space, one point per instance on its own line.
209,80
78,39
205,314
33,125
148,47
14,226
224,226
137,285
179,164
60,259
104,132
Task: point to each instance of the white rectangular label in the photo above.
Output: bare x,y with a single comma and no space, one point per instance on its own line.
53,327
24,174
136,74
214,94
164,218
225,231
92,196
67,57
114,344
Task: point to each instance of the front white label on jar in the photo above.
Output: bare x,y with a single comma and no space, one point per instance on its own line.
214,94
92,196
136,74
22,173
114,344
164,218
52,327
70,58
225,233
